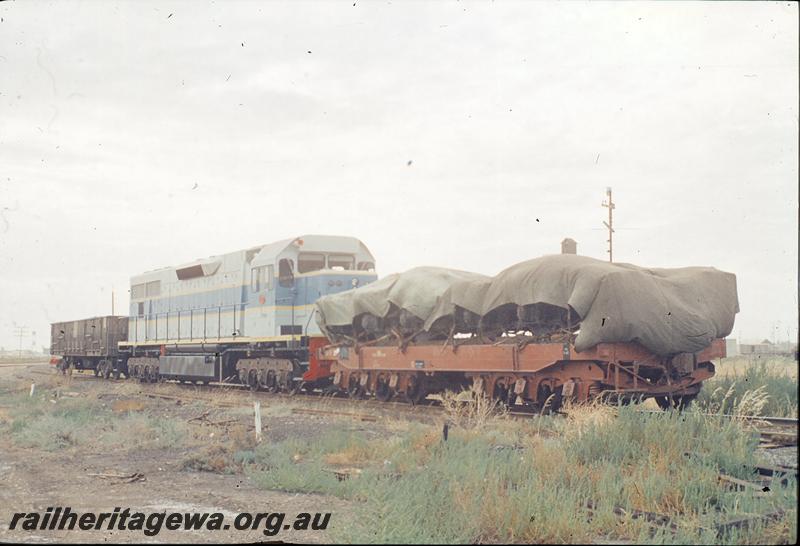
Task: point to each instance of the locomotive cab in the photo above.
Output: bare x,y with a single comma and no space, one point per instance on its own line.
288,282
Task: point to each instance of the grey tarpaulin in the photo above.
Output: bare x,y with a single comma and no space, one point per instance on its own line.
401,300
666,310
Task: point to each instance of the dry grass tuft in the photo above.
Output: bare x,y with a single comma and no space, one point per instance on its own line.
586,416
471,408
353,454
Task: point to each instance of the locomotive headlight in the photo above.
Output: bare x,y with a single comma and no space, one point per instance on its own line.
354,282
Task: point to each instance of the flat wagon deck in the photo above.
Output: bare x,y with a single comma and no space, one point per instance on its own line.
530,373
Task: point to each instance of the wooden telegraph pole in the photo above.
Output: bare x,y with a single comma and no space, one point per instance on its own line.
608,203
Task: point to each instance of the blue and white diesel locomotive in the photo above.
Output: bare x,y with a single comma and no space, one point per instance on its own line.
247,313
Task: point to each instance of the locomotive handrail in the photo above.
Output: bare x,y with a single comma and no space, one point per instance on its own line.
207,323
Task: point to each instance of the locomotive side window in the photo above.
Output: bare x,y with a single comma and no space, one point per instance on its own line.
137,291
285,273
366,266
270,277
153,288
256,278
341,261
307,262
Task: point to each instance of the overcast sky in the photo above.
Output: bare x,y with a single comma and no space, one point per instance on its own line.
473,135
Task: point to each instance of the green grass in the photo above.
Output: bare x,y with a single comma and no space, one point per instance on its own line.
772,379
43,422
476,487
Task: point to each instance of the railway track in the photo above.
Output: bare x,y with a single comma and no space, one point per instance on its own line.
779,421
429,408
774,431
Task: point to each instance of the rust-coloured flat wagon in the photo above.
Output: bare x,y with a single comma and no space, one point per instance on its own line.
515,373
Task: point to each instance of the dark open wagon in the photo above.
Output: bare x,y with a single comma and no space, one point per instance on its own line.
90,344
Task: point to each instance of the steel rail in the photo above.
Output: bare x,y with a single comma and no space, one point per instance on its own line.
423,407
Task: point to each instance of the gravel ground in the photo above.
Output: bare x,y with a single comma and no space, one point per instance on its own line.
783,456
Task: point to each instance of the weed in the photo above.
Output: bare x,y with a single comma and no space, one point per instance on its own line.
470,409
476,487
751,386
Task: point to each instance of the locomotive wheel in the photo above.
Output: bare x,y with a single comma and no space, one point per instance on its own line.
383,392
272,383
252,380
296,387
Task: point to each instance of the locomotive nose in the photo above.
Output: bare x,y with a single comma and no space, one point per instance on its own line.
334,286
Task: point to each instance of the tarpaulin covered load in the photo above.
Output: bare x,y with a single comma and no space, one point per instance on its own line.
400,302
666,310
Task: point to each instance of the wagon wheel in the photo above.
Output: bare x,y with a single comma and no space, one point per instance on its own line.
504,394
675,402
154,375
415,391
558,399
354,390
383,391
488,336
549,399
